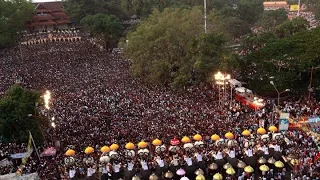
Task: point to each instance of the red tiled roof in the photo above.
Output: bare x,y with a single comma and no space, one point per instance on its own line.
63,21
51,5
44,17
59,14
43,23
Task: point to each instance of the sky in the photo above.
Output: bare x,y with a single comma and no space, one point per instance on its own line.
45,0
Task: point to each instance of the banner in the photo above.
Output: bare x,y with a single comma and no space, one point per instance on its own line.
284,121
20,155
294,7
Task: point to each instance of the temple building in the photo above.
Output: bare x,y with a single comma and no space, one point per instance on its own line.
49,16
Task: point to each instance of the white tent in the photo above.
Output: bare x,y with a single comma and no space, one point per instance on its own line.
243,90
235,83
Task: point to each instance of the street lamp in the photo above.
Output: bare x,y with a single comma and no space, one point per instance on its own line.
279,93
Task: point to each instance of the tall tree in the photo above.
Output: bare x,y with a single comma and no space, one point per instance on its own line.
270,19
18,115
13,15
106,26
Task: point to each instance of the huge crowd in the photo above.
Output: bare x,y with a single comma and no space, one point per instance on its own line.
96,102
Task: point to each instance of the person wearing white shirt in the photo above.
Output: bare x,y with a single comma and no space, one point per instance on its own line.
90,173
116,170
72,173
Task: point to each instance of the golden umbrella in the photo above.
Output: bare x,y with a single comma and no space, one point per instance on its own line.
273,129
215,137
129,146
262,160
197,137
264,168
156,142
70,152
199,172
261,131
105,149
246,133
217,176
294,162
153,177
241,164
213,166
248,169
142,145
271,160
185,139
200,177
114,147
227,166
230,171
89,150
278,164
168,174
135,177
229,135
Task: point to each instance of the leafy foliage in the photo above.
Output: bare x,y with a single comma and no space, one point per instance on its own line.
106,26
270,19
13,15
18,115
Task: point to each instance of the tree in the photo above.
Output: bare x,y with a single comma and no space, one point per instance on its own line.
105,26
250,10
13,15
167,47
18,115
291,27
270,19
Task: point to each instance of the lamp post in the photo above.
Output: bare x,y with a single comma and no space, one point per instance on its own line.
279,93
205,15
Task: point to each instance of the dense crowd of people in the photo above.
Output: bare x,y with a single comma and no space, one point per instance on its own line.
96,102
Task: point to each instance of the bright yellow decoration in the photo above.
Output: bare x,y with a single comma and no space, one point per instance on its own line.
105,149
114,147
246,133
229,135
215,137
200,177
89,150
156,142
261,131
218,176
129,146
197,137
70,152
142,145
273,129
230,171
248,169
264,168
278,164
186,139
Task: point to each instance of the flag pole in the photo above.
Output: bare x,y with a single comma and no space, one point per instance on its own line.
35,147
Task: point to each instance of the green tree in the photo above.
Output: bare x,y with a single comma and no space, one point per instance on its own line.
105,26
13,15
250,10
18,115
270,19
291,27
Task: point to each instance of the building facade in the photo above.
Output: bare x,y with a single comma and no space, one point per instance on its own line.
49,16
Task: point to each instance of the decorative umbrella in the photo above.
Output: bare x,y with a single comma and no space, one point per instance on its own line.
246,133
135,177
213,166
230,171
271,160
185,139
262,160
153,177
105,149
264,168
217,176
168,174
181,172
248,169
200,177
278,164
227,166
215,137
156,142
273,129
70,152
294,162
174,142
241,164
261,131
229,135
197,137
89,150
184,178
199,172
142,145
129,146
114,147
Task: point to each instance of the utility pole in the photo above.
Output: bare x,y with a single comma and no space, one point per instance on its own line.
205,15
